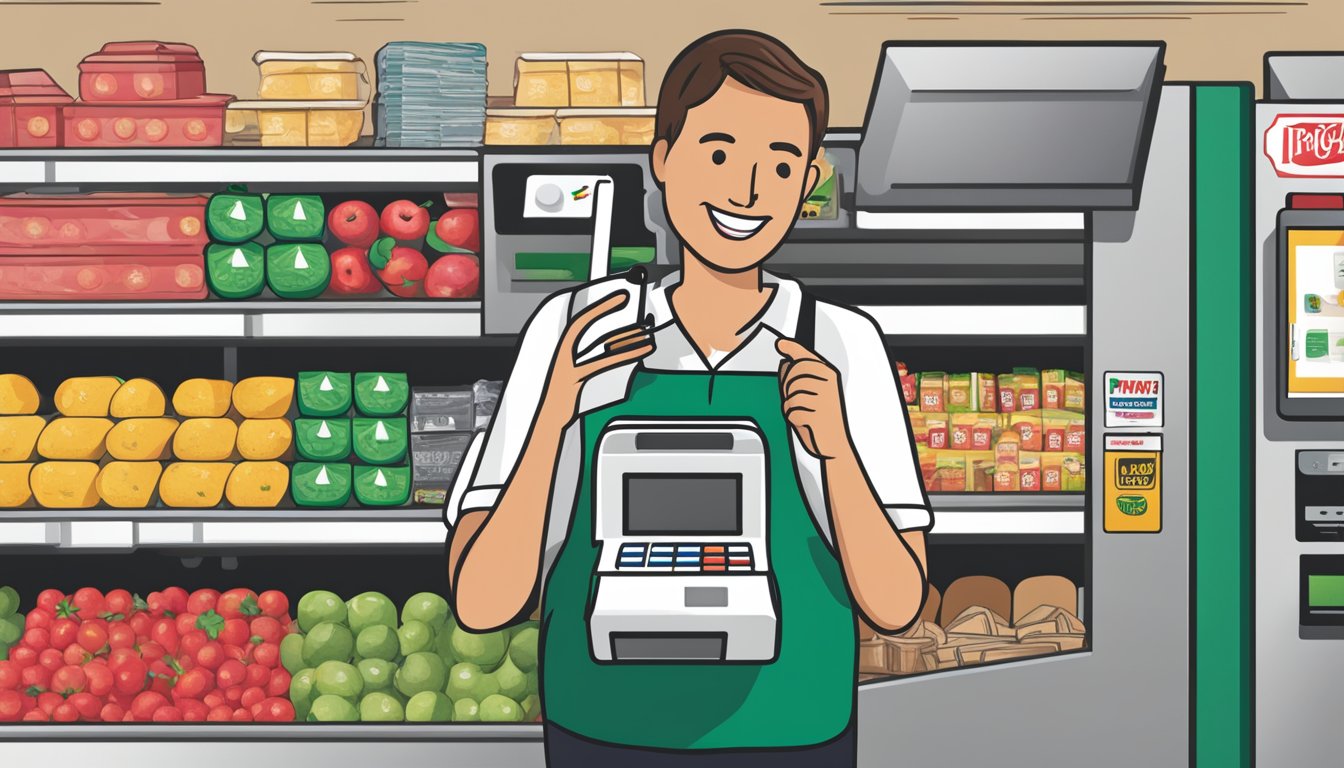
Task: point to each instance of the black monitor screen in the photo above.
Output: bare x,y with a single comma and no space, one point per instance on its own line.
683,504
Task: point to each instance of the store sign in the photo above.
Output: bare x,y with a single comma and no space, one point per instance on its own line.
1133,399
1306,145
1133,484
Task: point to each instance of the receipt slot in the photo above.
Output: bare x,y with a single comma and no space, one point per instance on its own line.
683,574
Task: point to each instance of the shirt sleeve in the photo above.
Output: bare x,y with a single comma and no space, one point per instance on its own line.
518,405
875,414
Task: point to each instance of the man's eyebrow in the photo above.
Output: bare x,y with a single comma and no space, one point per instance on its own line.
784,146
708,137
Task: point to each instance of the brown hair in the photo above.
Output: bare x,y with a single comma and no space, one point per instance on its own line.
756,60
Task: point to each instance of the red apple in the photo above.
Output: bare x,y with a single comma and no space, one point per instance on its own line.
351,272
401,269
453,276
404,220
460,228
354,222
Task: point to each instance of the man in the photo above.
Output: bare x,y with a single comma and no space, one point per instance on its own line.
736,153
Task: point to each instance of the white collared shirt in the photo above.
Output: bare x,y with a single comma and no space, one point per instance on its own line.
849,340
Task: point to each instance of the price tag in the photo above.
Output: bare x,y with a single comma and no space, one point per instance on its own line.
1133,484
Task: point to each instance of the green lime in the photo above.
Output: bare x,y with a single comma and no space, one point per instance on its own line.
531,708
500,709
319,606
523,648
378,642
380,708
429,707
467,681
466,711
377,674
337,678
414,637
291,653
302,691
10,631
420,672
512,680
443,644
370,608
9,602
427,607
332,709
485,650
327,642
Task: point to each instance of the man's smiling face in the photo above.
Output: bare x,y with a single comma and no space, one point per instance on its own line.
737,175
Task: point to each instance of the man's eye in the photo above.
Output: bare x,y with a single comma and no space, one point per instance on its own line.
719,157
783,170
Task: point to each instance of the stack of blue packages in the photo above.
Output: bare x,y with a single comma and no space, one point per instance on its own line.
430,95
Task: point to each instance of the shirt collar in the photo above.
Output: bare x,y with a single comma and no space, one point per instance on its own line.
757,351
780,315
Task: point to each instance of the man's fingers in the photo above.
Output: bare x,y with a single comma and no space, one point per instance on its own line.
627,340
794,351
612,360
623,336
806,382
809,400
590,315
807,370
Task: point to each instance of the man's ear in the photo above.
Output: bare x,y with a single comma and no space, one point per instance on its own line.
658,160
813,177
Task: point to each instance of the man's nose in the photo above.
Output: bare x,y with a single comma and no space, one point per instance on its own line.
751,191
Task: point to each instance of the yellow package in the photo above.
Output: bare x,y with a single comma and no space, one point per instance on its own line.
632,83
205,440
128,484
18,436
264,439
263,397
1029,471
961,429
980,466
1027,425
521,127
1074,477
257,484
137,398
611,126
86,395
141,439
74,439
594,84
1075,392
18,396
1052,472
540,80
298,76
202,398
65,484
950,472
14,488
1052,388
960,396
193,484
1006,478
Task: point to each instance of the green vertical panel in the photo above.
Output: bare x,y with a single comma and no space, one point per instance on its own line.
1223,284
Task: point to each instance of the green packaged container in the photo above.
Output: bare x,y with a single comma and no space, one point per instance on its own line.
320,485
382,486
324,393
322,439
235,271
297,270
296,217
380,441
234,216
381,394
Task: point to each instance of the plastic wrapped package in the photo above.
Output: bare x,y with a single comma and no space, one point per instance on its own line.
102,224
101,278
142,71
521,127
606,126
295,123
197,122
614,79
311,76
30,109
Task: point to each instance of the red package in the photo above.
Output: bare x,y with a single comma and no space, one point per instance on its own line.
103,224
982,437
1029,479
938,434
908,383
102,278
30,109
142,71
960,437
1054,439
1075,439
197,122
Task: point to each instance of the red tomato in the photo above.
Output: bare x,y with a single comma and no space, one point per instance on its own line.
257,676
184,622
87,704
156,603
278,685
63,632
230,604
192,642
9,675
233,694
144,705
111,713
91,637
100,678
167,714
235,632
152,650
37,638
194,684
252,695
202,600
65,712
165,634
238,652
36,716
213,699
119,601
129,676
266,655
176,598
89,602
36,676
119,655
11,706
193,711
22,656
121,699
241,715
47,701
161,677
273,603
187,663
211,655
51,659
276,710
141,623
68,680
48,599
120,635
219,714
267,629
231,673
74,654
129,718
38,617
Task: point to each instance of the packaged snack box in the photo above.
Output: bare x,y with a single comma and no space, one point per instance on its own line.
987,392
1052,472
435,459
300,218
311,76
30,109
609,126
235,271
928,466
982,432
442,409
933,392
521,127
980,471
325,393
322,439
142,71
1075,392
297,270
1027,425
320,485
1007,386
960,430
381,393
1052,388
1008,447
194,122
908,383
382,486
1029,472
235,216
1006,478
1074,476
959,393
294,123
102,224
950,472
1028,382
612,79
938,432
103,278
379,441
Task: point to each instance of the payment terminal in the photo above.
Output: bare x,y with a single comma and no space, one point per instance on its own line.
680,515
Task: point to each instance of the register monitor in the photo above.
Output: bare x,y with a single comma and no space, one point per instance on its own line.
1310,310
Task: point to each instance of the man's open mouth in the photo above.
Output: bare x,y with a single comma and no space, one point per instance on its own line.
733,226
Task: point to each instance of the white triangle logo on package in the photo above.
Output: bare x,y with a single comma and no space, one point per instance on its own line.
380,433
299,215
379,480
239,260
322,478
299,261
381,385
324,433
236,212
325,386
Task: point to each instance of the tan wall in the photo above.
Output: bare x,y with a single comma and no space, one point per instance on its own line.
1207,41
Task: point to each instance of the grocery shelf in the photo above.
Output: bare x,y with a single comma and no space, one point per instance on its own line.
998,514
1068,320
491,732
244,165
252,320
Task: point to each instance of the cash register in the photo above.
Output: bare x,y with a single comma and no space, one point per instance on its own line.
680,515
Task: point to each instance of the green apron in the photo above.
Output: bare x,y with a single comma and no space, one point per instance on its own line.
804,697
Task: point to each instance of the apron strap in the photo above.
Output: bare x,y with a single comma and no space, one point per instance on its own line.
806,334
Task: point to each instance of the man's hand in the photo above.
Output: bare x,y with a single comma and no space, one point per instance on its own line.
566,378
810,390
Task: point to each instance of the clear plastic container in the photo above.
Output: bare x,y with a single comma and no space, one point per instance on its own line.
521,127
311,76
142,71
614,79
295,123
606,126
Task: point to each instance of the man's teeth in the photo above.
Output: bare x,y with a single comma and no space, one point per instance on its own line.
736,226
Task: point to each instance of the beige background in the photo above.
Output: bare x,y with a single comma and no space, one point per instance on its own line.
1206,40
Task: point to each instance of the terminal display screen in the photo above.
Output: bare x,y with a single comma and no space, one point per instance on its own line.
1314,302
683,504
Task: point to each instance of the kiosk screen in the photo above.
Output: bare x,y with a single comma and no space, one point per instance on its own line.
683,504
